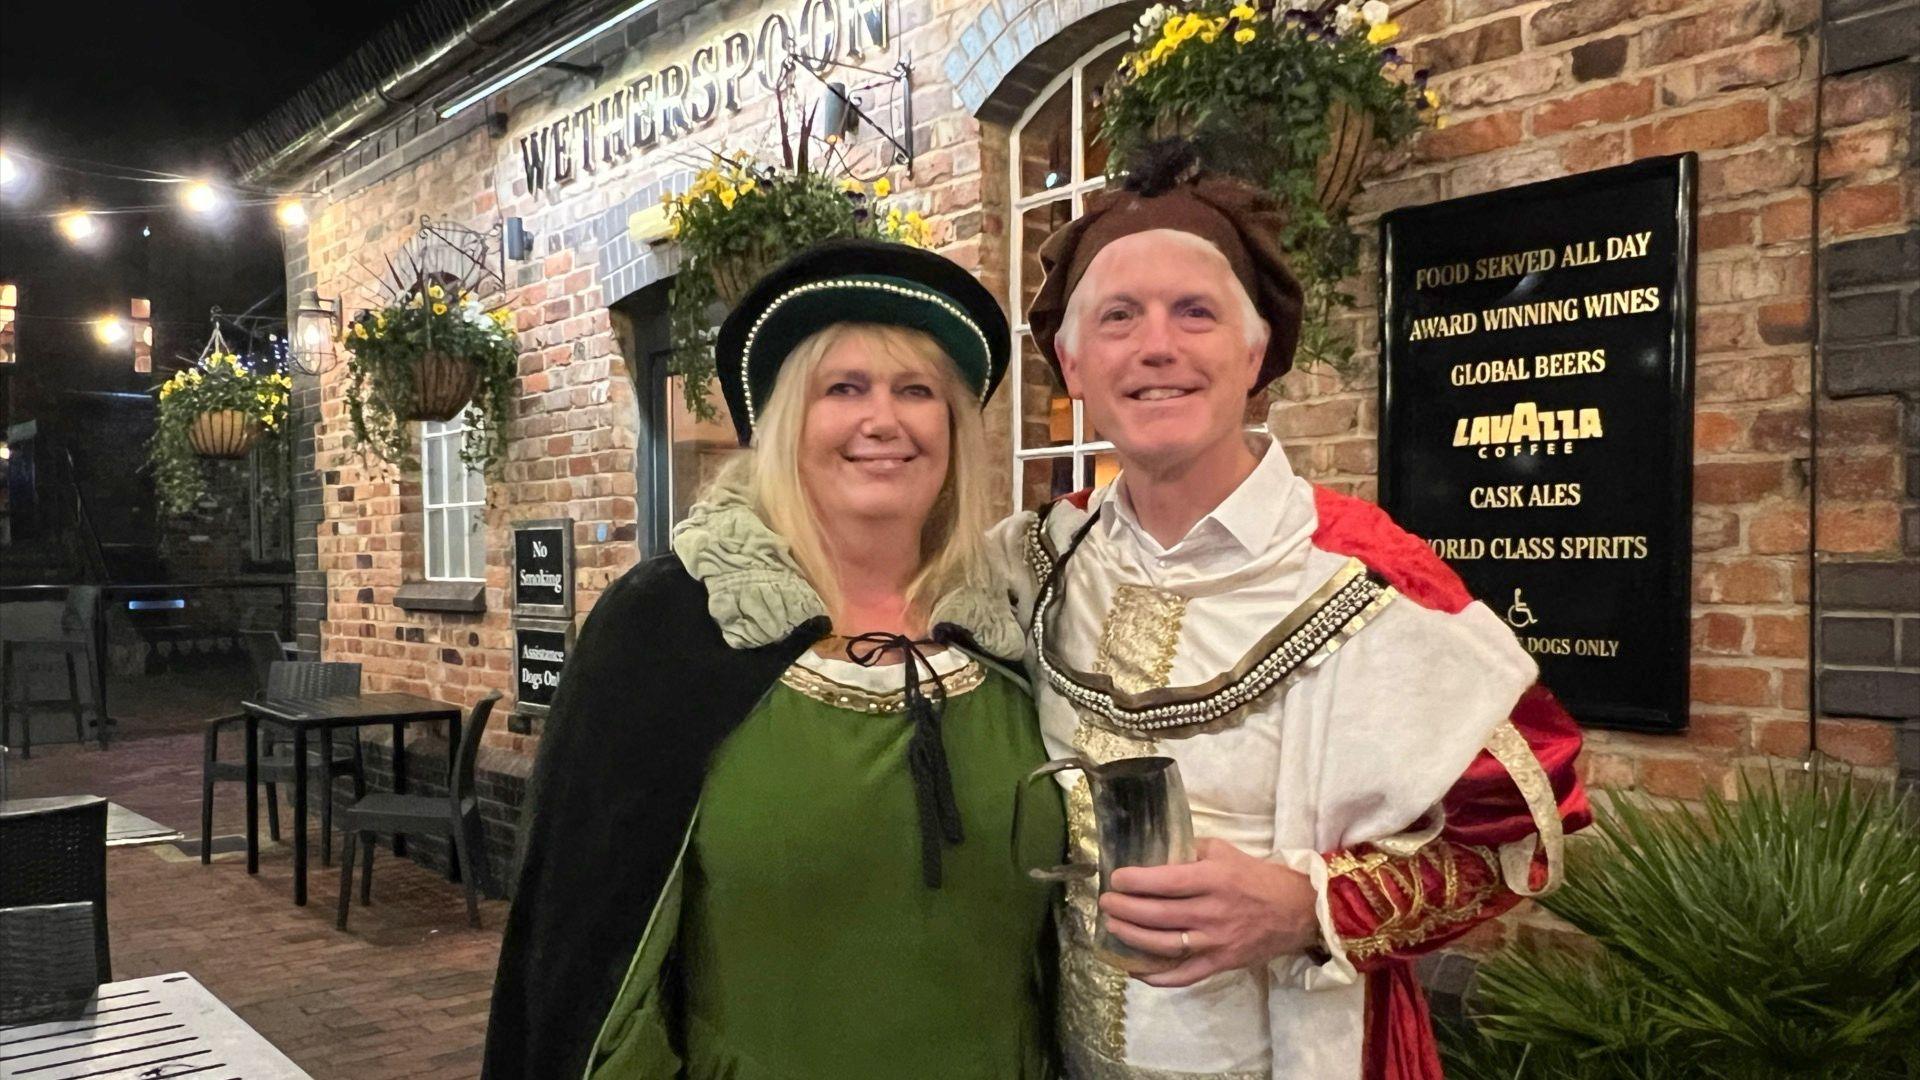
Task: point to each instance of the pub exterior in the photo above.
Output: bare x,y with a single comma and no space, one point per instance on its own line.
1796,595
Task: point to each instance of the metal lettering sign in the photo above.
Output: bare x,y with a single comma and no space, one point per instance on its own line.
543,567
1536,406
679,98
540,652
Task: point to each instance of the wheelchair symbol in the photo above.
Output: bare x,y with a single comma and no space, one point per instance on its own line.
1519,615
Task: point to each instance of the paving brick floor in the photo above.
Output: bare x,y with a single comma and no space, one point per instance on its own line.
402,993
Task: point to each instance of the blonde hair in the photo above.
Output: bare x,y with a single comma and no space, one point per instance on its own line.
953,540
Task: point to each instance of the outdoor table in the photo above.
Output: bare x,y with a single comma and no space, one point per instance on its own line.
124,827
160,1026
302,716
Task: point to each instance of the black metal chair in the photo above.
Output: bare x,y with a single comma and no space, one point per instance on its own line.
54,851
264,649
75,643
287,678
455,816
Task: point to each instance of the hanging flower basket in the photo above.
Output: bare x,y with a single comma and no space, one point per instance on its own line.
220,407
223,433
1337,175
443,386
430,355
1293,99
739,219
1244,146
735,272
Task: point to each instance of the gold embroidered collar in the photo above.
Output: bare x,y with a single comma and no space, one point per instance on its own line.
1314,630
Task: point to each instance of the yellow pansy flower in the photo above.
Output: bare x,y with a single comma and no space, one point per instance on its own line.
1432,99
1381,33
436,291
882,187
850,185
360,331
439,309
748,185
1243,35
1240,11
727,195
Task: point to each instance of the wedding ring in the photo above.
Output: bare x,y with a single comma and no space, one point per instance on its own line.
1186,945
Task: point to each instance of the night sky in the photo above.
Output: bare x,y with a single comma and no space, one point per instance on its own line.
149,85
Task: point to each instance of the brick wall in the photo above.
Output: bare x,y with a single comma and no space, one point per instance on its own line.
1542,88
1534,89
574,427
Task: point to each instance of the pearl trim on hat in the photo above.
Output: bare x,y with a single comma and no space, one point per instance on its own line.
937,300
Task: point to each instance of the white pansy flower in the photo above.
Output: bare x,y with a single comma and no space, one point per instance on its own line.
1344,17
1375,12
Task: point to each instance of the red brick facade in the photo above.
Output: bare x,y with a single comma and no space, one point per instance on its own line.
1533,89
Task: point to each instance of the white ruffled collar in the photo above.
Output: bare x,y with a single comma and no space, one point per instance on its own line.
757,595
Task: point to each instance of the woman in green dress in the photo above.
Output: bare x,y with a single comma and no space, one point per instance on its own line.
772,808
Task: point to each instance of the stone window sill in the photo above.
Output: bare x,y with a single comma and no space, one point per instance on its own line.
462,597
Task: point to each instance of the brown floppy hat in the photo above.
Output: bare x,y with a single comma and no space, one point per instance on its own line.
1163,192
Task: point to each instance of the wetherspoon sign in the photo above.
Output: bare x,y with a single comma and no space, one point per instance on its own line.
1537,418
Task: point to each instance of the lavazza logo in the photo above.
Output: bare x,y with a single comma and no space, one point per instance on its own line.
669,103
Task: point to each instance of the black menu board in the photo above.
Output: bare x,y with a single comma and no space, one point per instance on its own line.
543,567
1536,405
539,654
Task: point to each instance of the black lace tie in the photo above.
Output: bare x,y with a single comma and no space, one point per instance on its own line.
926,752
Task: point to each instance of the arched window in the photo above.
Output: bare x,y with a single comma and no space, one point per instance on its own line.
1055,161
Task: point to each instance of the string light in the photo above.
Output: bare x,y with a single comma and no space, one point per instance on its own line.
9,172
200,197
293,213
77,225
111,331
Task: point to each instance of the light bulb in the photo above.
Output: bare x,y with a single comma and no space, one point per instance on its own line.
293,213
8,171
78,225
110,331
200,197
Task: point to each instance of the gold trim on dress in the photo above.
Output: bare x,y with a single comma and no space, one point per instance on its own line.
1510,749
839,695
1314,630
1395,888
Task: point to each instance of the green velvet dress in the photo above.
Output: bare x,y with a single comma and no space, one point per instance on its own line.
810,948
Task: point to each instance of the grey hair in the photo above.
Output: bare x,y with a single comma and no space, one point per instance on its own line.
1068,336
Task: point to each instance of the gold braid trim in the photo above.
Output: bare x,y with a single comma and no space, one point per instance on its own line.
1510,748
1385,881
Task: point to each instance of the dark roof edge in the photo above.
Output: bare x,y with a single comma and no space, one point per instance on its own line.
402,60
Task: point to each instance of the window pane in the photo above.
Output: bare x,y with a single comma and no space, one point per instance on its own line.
436,472
1049,412
1093,86
1046,144
1035,226
476,483
1045,479
476,543
1105,468
436,544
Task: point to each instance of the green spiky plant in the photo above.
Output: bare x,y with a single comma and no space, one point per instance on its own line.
1773,936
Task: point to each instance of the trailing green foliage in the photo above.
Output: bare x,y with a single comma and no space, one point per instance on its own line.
385,346
1254,86
1773,936
740,218
219,381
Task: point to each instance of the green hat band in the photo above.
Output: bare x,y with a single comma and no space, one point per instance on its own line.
900,287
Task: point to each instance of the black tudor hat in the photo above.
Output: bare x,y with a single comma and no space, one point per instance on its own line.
866,281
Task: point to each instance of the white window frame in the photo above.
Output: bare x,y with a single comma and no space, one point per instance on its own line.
1080,449
441,441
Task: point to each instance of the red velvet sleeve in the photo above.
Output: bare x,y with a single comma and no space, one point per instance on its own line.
1392,907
